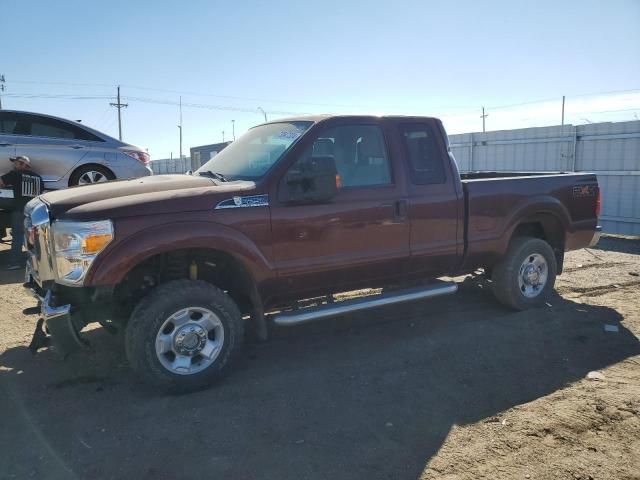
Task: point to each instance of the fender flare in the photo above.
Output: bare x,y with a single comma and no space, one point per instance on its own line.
120,258
529,209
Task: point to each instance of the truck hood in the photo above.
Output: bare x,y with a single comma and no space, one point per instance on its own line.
160,194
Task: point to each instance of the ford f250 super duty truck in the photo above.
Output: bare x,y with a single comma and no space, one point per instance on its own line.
295,209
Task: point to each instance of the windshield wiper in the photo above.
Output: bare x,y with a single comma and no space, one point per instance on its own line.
216,175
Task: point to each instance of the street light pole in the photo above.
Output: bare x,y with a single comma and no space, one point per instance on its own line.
233,129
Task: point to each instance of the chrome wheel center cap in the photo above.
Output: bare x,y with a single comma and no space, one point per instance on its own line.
531,275
190,339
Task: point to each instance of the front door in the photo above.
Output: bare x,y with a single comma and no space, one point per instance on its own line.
360,236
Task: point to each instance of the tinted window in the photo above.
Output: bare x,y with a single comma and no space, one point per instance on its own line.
26,124
7,123
422,151
50,128
359,152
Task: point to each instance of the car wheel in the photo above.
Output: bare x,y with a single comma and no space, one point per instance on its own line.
184,336
525,277
90,174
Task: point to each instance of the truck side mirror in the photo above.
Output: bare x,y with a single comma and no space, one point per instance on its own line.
311,180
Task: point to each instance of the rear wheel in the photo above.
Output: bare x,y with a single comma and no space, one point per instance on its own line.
90,174
184,335
526,275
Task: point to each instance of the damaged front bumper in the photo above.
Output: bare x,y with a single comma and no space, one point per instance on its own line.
58,318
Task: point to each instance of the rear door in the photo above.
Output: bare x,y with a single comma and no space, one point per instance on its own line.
435,207
362,234
53,146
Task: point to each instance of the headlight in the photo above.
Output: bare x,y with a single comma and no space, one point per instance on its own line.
76,245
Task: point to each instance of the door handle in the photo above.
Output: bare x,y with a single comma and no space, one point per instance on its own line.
400,210
5,144
75,147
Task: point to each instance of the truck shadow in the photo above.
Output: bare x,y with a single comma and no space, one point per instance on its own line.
8,276
619,244
372,395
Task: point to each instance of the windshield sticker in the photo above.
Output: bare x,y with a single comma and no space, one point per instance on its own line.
289,134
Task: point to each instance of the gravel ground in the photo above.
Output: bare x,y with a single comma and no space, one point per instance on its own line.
452,388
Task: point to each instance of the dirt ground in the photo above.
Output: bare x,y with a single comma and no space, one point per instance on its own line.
452,388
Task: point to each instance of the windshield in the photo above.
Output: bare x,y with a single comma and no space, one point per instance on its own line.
249,157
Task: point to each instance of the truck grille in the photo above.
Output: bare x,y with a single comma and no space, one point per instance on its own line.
37,241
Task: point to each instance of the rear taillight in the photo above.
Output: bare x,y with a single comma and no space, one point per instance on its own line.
598,204
142,157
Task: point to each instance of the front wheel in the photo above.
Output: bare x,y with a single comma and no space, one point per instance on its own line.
184,335
524,278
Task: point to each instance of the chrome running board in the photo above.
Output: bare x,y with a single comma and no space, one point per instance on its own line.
349,306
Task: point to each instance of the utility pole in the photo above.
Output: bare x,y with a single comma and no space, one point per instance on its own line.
264,113
222,136
233,129
483,116
180,127
2,81
562,110
119,106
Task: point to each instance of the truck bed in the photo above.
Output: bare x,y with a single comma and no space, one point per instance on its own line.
496,201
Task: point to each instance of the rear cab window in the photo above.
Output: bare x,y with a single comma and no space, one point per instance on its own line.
422,152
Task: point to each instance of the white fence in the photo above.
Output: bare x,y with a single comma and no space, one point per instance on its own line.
610,150
171,165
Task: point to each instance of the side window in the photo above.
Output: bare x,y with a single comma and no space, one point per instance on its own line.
50,128
359,152
81,134
422,151
8,123
37,126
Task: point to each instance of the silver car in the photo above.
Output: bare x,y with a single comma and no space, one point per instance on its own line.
66,153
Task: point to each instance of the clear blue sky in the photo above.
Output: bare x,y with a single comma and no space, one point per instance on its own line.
414,57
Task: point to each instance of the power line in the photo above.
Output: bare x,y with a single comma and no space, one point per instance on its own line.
197,94
208,106
59,96
292,102
148,100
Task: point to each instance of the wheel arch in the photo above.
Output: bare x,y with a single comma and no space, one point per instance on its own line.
81,166
224,257
545,225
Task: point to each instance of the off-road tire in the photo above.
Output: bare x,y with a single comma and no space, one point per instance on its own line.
505,273
150,313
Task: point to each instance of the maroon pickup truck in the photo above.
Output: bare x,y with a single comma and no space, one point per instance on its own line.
295,209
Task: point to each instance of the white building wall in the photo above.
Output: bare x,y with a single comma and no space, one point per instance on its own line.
610,150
